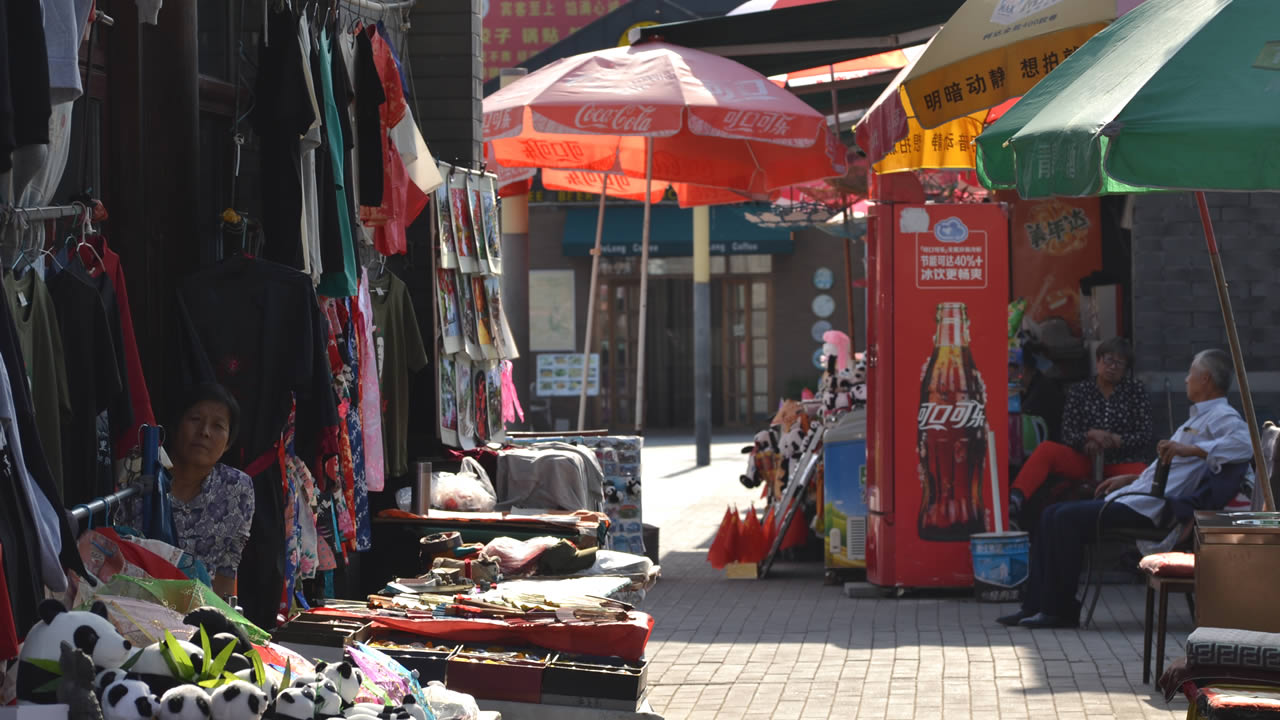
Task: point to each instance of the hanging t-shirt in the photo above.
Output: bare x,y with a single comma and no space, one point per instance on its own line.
255,327
28,79
370,393
42,356
400,353
64,25
370,96
93,380
282,113
126,439
338,281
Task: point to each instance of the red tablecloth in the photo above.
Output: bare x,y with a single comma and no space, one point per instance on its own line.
626,640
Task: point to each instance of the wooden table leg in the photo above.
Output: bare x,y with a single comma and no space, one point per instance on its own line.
1163,620
1146,633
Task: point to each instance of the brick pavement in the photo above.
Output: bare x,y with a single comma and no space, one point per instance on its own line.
789,647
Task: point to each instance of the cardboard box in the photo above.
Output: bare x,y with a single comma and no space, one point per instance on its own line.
595,682
491,674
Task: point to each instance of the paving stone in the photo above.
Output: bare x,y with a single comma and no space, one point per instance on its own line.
789,647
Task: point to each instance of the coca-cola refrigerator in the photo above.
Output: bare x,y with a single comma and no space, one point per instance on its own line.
937,401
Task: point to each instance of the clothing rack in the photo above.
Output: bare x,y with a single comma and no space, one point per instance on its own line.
82,513
51,212
381,6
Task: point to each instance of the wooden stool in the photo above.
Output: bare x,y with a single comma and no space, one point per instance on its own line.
1166,572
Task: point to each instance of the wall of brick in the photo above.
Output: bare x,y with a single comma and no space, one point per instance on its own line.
1175,303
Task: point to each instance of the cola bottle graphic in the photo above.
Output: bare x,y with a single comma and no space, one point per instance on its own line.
952,433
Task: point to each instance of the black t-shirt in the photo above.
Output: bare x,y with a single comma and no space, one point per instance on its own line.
93,379
255,327
369,99
281,115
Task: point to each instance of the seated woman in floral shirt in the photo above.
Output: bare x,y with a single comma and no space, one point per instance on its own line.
1108,416
212,502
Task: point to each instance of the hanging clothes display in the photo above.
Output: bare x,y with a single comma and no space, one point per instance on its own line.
42,356
93,381
25,104
282,113
339,280
370,392
100,260
400,353
256,328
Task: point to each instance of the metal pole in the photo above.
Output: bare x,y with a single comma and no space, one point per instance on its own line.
591,308
1237,357
515,264
848,227
644,284
702,333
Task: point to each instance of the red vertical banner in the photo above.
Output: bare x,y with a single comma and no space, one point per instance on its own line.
1054,244
950,338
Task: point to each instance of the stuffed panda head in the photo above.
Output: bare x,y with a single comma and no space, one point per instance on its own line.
345,677
270,685
364,710
184,702
151,659
129,700
238,700
90,632
107,677
301,680
328,701
411,706
296,704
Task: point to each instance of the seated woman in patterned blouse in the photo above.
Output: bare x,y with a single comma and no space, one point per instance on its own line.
1109,416
212,502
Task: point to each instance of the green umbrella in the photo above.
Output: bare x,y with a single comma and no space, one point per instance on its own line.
1175,95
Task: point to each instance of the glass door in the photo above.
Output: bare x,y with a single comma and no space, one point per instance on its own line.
616,336
747,351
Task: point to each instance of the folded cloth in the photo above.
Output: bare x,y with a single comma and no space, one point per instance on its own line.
1229,647
1243,702
1183,677
564,558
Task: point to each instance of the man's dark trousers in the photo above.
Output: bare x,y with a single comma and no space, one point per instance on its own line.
1057,550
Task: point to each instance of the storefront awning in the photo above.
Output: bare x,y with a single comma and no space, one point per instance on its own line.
796,38
671,233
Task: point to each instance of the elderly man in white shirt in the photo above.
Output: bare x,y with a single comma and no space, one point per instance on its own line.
1213,436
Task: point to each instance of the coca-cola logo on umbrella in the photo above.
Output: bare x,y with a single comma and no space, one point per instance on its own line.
622,118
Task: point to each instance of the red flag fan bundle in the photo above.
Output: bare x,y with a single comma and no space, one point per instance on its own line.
753,545
724,548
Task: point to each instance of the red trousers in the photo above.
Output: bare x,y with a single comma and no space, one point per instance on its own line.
1051,458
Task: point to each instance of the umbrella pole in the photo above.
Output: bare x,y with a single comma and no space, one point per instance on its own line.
644,283
591,308
1237,358
848,226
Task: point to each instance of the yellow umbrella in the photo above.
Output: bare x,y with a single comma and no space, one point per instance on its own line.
991,51
947,147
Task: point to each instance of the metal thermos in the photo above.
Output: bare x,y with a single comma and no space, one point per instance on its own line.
422,488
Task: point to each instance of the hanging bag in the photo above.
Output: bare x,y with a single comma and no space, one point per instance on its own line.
157,508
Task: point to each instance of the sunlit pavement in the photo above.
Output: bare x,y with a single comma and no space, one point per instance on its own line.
790,647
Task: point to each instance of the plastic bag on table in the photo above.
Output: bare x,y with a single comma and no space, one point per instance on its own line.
515,556
446,704
468,490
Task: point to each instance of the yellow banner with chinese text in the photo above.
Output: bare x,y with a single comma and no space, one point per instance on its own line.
947,147
990,78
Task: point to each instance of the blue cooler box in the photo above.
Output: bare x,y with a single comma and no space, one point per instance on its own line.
844,459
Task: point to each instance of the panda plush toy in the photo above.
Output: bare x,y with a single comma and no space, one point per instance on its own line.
128,700
90,632
294,704
238,700
152,667
345,677
328,702
270,686
184,702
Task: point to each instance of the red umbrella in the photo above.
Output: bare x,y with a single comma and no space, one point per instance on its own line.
660,112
